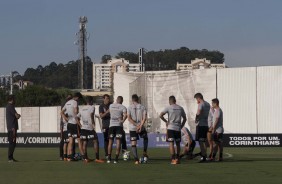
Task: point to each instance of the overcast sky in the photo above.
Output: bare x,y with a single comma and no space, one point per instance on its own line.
35,32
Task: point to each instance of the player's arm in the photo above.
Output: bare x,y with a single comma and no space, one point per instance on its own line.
130,119
102,113
64,115
215,121
124,117
184,119
144,119
162,117
198,113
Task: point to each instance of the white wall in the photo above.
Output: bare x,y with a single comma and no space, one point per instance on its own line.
269,95
237,96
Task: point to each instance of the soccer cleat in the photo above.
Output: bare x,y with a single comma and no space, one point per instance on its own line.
203,160
174,162
136,162
108,161
115,162
87,160
65,159
99,161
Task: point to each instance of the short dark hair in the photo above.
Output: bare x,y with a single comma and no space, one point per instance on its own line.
199,95
78,95
106,95
120,98
172,98
89,99
10,98
135,98
216,101
69,97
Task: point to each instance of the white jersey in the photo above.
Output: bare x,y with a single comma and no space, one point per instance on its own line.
69,110
138,113
117,111
85,117
218,114
210,118
175,113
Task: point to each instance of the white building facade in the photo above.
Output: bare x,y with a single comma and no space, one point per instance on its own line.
198,64
103,73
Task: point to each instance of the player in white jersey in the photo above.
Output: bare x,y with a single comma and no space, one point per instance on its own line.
218,129
118,116
189,143
176,121
71,109
88,132
137,116
209,134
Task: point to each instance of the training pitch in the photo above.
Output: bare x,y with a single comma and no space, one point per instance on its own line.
240,165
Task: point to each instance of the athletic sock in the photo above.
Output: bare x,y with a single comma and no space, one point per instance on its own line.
220,155
109,157
173,157
65,156
97,156
116,159
83,157
69,156
145,144
134,152
177,156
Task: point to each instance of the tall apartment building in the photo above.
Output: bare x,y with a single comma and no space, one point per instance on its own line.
198,64
103,73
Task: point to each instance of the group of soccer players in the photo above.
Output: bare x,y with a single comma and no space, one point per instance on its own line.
79,124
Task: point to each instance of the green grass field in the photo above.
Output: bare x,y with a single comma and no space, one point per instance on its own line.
240,165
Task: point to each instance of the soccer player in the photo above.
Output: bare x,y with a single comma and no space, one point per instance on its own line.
104,113
218,129
202,127
118,116
88,132
12,126
137,116
63,131
209,135
174,126
71,109
189,143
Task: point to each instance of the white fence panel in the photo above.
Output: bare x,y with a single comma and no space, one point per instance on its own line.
237,96
269,95
49,119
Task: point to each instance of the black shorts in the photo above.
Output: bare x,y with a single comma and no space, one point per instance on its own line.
88,135
134,136
173,136
65,137
201,133
218,137
73,130
115,131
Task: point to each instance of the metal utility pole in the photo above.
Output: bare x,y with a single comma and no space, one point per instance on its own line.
11,83
82,42
141,62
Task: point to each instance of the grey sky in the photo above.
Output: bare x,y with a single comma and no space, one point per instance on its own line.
37,32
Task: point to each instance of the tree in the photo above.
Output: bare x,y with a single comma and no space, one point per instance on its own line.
105,58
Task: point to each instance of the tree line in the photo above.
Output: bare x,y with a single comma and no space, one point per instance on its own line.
168,58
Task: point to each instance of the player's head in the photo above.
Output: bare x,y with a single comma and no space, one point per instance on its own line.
215,103
106,99
172,100
120,99
11,99
199,97
77,96
89,100
69,97
135,98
